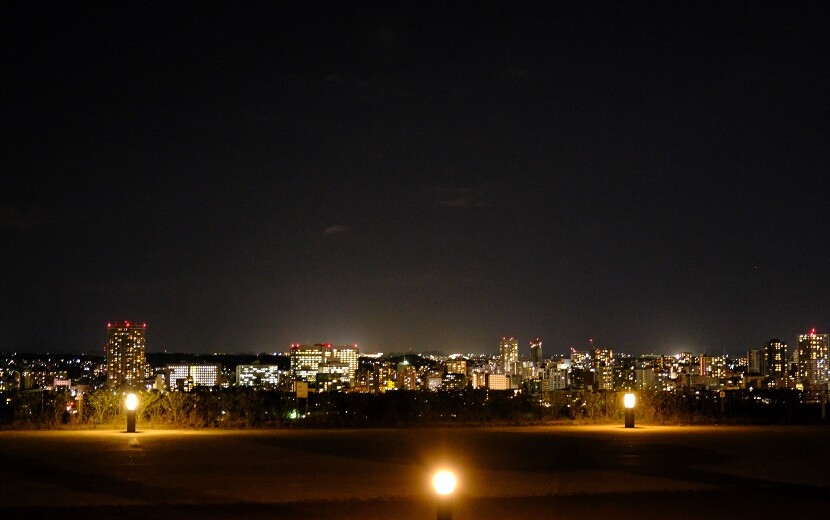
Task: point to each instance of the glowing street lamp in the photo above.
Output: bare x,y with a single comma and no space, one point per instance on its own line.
629,401
132,404
444,483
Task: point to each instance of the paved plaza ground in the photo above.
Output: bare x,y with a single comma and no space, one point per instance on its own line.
561,472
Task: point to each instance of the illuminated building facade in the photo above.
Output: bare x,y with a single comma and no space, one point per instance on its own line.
125,353
434,380
644,379
536,352
555,378
456,366
603,357
497,382
385,377
348,354
813,353
40,378
603,377
509,353
478,379
776,361
260,376
527,370
713,366
685,363
453,381
306,361
185,376
755,362
333,376
579,358
407,378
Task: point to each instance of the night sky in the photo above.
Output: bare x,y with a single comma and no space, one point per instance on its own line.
415,175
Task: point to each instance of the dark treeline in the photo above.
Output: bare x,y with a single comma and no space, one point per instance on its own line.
249,408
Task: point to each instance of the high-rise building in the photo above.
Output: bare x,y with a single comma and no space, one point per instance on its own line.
346,354
509,352
813,359
603,377
554,377
407,377
755,362
305,361
125,352
536,352
603,357
775,361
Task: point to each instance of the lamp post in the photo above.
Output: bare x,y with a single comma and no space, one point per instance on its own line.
444,483
629,401
132,404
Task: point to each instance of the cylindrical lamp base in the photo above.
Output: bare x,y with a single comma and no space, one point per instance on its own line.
629,417
130,421
444,508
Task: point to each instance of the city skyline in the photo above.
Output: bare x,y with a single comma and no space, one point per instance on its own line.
415,176
343,368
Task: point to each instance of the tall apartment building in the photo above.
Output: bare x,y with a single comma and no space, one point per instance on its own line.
407,377
603,377
536,352
812,351
755,362
554,377
125,353
776,361
509,353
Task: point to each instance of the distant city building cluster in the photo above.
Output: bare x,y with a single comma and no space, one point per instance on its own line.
324,367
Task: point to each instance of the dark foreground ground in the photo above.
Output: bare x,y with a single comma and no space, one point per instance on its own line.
563,472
